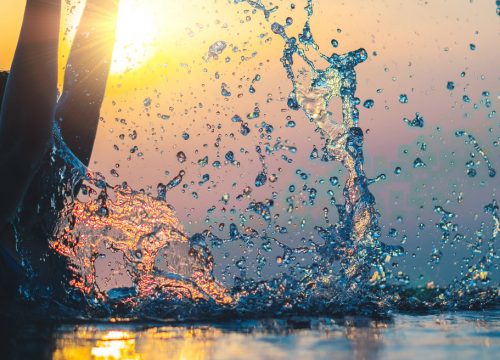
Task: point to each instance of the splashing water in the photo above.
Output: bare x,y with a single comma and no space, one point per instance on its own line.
165,272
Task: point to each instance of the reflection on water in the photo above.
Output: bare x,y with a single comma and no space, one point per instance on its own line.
101,342
446,336
115,344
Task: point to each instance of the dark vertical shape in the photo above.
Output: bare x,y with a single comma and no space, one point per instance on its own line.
86,77
28,105
57,181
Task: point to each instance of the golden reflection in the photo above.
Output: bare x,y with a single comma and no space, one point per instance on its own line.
362,340
115,345
156,343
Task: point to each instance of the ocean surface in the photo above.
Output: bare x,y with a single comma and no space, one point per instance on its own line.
461,335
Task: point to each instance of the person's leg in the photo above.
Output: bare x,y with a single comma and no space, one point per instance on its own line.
4,75
28,105
77,114
86,77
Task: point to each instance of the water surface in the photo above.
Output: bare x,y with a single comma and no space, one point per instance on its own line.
463,335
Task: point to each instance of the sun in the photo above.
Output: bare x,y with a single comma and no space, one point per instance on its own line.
152,34
136,34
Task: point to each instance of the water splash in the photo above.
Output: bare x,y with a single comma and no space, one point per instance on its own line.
166,272
472,140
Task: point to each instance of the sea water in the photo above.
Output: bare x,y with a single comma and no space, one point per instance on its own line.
462,335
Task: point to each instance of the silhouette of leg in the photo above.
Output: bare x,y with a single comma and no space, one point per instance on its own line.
77,114
86,76
28,105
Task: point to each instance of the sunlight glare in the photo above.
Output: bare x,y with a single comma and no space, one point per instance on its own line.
135,36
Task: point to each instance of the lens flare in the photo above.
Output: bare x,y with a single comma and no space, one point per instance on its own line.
135,36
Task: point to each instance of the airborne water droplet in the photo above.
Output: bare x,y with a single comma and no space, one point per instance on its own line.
418,121
261,179
369,103
181,157
418,163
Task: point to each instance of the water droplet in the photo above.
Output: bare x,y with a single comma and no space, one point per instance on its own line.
369,103
334,181
418,121
418,163
471,172
261,179
181,157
